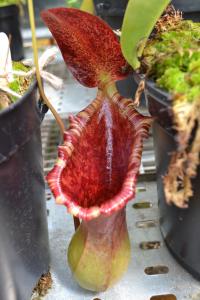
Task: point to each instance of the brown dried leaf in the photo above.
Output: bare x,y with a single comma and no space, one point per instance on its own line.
184,162
43,285
4,100
171,18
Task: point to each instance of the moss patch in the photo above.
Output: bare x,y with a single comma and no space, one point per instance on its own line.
172,59
20,85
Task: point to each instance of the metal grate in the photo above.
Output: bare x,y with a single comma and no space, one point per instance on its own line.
152,274
152,271
50,141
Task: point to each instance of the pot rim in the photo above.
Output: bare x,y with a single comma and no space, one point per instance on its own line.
9,11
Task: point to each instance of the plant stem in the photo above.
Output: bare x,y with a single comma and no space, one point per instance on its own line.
42,94
35,51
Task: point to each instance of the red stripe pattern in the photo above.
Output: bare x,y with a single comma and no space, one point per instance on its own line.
98,163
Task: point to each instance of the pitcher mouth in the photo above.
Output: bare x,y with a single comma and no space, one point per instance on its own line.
98,163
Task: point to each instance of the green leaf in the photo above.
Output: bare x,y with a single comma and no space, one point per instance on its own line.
139,21
11,2
73,3
88,6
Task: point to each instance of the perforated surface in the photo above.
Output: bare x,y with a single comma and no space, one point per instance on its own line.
168,278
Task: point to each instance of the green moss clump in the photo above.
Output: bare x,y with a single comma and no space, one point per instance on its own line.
18,66
172,59
173,79
20,83
11,2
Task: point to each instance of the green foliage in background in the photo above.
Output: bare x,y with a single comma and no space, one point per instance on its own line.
74,3
11,2
172,59
85,5
20,83
139,21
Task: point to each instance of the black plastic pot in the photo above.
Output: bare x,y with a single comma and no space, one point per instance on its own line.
111,11
24,248
127,87
179,227
10,24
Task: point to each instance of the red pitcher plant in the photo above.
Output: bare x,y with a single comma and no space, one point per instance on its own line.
96,171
